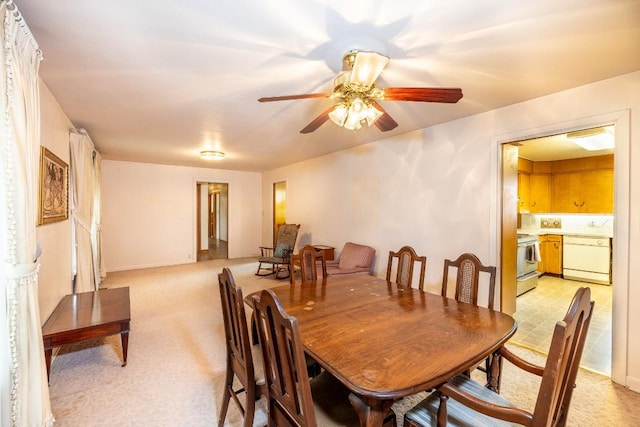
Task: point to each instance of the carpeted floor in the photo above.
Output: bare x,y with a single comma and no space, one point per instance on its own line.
176,361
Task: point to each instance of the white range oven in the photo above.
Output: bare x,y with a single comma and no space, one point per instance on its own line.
587,259
527,263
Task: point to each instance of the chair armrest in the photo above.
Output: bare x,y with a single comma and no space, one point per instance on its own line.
505,413
521,363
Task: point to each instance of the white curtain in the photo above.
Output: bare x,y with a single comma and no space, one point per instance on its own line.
100,270
85,211
24,390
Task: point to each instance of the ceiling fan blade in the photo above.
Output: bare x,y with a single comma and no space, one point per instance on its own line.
318,121
422,94
385,122
288,97
367,66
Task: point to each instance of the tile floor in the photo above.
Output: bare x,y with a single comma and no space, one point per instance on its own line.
538,310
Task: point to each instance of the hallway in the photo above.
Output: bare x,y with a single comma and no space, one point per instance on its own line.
539,309
217,250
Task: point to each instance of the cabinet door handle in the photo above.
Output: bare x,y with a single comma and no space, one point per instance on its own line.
533,204
578,205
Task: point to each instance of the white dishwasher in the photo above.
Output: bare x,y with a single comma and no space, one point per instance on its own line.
587,258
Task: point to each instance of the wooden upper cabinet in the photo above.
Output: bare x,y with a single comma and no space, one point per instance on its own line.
597,191
583,192
583,185
524,193
539,194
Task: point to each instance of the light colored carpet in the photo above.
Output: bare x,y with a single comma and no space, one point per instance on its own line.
176,361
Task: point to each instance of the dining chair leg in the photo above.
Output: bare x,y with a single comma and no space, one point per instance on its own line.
226,397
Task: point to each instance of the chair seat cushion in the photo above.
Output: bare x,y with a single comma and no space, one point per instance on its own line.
273,260
281,250
334,271
425,413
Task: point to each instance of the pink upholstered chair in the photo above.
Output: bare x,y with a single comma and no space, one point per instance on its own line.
353,258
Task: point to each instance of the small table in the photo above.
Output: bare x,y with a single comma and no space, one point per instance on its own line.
88,315
328,251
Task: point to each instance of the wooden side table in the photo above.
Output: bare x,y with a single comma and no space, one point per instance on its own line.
85,316
328,251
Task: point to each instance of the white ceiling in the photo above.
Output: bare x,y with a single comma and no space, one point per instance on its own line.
159,80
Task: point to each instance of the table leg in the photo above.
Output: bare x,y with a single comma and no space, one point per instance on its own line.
495,373
124,336
47,359
371,412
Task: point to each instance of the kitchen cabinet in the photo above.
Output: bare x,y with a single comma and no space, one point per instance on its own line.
539,186
523,193
551,254
582,192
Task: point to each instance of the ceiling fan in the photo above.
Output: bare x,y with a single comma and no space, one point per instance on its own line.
357,95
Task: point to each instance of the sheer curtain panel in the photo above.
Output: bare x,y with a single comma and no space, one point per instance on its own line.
24,398
85,211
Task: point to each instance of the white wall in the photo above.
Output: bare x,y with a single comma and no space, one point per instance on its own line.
149,213
437,190
54,278
223,218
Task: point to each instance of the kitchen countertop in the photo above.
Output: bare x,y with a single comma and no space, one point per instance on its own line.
559,231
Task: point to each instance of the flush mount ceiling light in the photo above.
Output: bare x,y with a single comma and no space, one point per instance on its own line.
357,95
212,155
594,139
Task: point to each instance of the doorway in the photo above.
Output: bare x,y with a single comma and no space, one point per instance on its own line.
279,207
550,160
212,220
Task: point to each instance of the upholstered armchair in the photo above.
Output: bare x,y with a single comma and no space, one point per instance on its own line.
353,259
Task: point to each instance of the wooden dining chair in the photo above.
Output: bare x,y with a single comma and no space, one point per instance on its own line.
463,402
467,281
240,353
311,262
293,399
469,268
406,258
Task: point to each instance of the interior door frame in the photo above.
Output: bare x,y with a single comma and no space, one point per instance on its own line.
622,155
198,225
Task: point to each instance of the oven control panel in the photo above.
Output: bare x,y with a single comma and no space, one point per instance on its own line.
550,223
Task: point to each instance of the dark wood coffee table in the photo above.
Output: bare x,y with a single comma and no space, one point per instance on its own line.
85,316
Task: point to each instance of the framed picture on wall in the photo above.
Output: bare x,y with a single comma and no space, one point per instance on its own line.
54,188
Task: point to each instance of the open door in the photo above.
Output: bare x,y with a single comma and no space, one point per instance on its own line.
279,207
212,220
509,230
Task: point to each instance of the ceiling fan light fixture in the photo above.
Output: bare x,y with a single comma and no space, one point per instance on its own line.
353,114
372,114
339,114
367,66
211,155
353,121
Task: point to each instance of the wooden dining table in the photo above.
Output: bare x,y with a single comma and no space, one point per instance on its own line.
385,341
